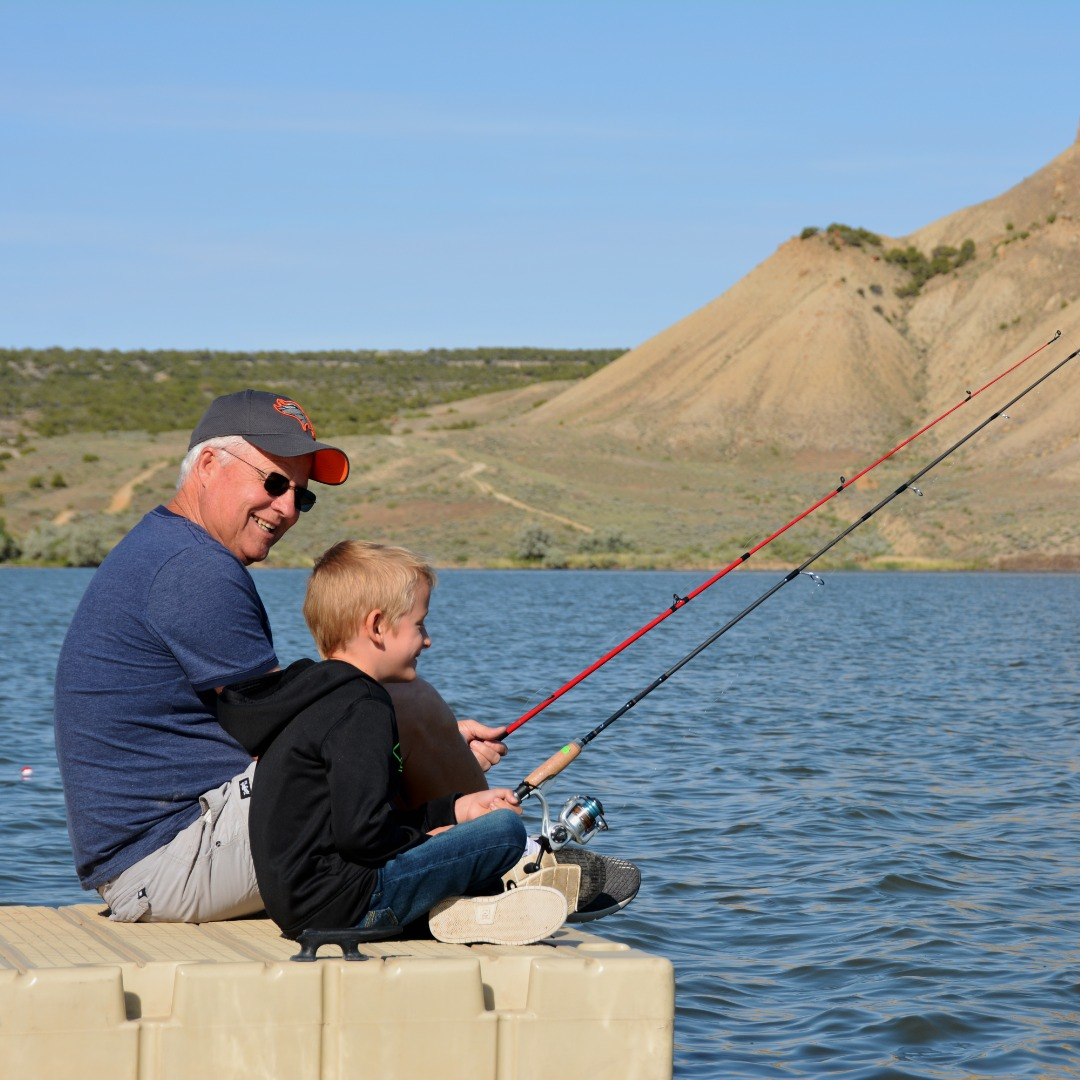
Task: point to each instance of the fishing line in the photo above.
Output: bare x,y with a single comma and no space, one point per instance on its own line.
558,761
682,601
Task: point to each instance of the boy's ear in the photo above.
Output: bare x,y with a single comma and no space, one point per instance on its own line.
375,625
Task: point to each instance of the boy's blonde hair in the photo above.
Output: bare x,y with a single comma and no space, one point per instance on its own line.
353,579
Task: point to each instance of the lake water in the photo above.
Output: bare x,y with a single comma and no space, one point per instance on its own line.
855,814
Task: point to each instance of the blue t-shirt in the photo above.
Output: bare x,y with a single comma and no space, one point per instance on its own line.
170,615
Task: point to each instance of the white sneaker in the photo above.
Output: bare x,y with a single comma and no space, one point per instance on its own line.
517,917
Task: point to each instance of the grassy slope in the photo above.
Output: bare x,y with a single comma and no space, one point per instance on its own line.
464,481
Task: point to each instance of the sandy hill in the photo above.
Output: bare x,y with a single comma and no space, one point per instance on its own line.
814,349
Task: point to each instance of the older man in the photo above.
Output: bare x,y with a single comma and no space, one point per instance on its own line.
156,792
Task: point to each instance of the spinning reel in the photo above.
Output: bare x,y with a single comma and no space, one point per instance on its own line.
581,818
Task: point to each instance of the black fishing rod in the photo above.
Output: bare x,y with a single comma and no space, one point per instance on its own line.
682,601
559,761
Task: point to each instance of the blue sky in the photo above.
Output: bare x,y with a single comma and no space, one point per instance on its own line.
409,175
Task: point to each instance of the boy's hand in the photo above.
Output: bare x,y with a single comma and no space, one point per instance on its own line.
483,802
483,741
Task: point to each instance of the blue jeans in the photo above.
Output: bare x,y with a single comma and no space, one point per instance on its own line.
467,860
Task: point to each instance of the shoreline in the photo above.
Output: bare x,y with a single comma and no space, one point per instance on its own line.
1010,564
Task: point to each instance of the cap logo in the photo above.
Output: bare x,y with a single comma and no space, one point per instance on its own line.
287,407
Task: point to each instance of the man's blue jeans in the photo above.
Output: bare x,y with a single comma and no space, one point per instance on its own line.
467,860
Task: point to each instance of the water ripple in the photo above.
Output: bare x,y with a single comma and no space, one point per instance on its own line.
855,815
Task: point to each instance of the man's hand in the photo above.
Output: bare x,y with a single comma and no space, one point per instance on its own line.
483,802
483,741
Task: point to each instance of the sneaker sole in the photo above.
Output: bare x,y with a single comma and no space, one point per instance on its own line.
566,879
517,917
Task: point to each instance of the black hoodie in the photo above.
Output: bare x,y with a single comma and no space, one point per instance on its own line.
323,817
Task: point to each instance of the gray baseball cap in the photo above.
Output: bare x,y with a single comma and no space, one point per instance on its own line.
274,424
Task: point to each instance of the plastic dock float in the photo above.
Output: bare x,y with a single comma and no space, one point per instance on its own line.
84,997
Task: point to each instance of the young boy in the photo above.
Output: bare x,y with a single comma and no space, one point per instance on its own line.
330,846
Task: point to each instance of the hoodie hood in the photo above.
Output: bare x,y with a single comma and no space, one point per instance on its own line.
255,712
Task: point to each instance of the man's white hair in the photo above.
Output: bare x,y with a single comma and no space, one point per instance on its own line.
222,442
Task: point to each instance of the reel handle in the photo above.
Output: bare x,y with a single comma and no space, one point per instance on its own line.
552,767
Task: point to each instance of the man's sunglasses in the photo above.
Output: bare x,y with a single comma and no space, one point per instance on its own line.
276,484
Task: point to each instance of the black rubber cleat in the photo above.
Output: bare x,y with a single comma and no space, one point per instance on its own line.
346,938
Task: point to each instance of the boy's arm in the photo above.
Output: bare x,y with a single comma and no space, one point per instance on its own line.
475,805
479,803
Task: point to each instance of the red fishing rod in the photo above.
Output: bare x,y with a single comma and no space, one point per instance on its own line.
682,601
558,761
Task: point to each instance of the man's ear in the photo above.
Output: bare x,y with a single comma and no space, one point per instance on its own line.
205,462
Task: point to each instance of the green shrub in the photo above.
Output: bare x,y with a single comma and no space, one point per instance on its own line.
9,549
845,234
533,543
613,540
84,542
943,259
810,230
554,559
965,254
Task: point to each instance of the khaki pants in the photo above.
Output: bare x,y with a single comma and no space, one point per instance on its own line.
203,874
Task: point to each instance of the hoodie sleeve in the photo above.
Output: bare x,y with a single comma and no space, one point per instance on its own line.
363,766
256,711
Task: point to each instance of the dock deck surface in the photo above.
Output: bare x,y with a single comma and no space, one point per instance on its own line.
83,996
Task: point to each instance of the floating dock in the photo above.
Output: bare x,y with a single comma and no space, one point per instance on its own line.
81,996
